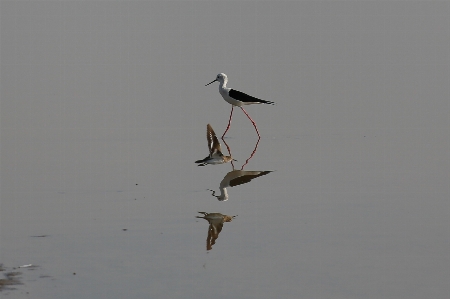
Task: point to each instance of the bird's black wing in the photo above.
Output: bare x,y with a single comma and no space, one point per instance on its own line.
245,98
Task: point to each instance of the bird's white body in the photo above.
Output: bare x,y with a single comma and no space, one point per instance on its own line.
224,90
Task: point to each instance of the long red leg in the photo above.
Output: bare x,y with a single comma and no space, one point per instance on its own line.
229,151
229,122
251,121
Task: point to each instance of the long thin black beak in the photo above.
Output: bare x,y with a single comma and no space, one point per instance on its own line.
211,82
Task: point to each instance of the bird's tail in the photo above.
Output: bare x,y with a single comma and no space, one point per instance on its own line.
202,162
267,102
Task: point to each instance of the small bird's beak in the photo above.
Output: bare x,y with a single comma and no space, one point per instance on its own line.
235,160
211,82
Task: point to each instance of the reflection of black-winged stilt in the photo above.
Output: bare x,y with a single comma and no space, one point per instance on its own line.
251,156
215,152
235,178
236,98
216,221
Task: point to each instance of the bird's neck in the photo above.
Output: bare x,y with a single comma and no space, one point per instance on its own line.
223,85
223,89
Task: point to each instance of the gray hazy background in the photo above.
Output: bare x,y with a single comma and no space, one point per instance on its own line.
104,111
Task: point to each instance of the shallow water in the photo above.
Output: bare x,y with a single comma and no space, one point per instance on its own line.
104,112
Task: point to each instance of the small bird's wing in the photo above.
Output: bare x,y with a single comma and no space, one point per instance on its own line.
213,142
247,178
245,98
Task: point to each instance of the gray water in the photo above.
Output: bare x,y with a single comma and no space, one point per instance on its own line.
104,111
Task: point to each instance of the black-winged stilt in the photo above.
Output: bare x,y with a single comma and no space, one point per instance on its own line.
236,98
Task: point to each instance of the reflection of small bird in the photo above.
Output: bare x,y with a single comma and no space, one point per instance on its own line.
236,98
235,178
215,152
216,221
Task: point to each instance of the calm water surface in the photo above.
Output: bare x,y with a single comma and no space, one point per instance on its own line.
104,111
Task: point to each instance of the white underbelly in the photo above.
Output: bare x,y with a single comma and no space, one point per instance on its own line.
233,101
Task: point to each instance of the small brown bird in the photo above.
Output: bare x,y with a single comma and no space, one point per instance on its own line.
215,152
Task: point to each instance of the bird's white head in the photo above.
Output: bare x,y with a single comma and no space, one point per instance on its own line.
222,78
